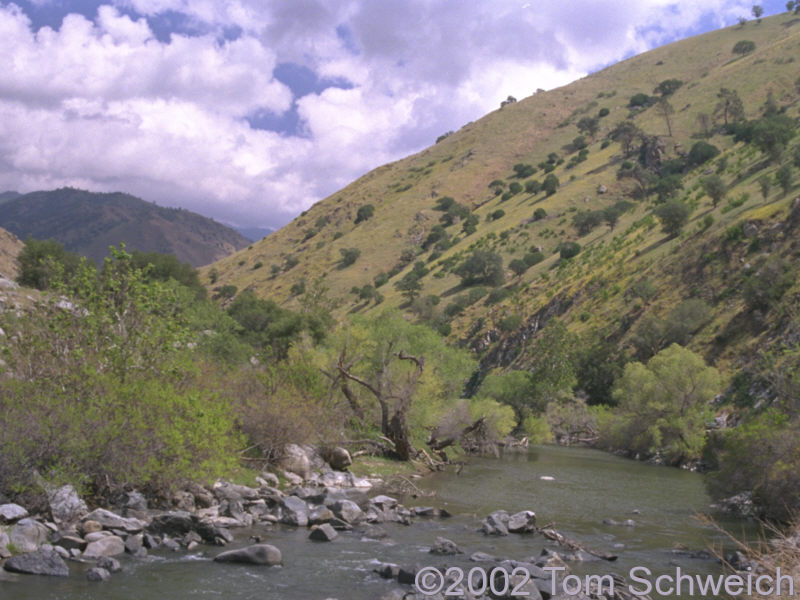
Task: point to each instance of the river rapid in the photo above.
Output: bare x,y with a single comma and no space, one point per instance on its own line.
587,487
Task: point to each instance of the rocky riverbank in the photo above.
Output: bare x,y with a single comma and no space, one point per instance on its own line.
230,523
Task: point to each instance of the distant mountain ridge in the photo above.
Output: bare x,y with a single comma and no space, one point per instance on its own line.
89,222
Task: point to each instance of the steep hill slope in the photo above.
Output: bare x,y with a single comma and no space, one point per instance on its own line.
88,223
10,245
373,231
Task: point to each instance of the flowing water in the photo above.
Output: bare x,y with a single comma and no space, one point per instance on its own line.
588,486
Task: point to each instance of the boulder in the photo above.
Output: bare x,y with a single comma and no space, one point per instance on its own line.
4,552
257,554
98,574
445,547
340,459
110,520
323,533
89,527
319,515
65,505
39,562
10,513
107,546
522,522
295,460
347,510
496,523
295,511
109,564
27,535
383,502
133,543
270,479
183,501
602,189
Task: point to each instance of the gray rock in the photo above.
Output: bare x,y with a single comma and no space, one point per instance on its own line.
445,547
183,501
319,515
602,189
133,543
27,535
110,520
340,459
482,557
295,511
257,554
496,523
135,501
98,574
323,533
347,510
107,546
88,527
4,553
97,535
387,570
232,491
62,552
270,479
295,460
9,513
65,505
522,522
383,502
39,562
423,511
109,564
71,541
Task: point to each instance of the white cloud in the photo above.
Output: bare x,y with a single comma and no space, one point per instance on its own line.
102,103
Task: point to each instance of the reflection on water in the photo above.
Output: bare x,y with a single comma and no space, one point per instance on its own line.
587,487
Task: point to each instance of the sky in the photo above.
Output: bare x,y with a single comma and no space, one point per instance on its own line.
250,111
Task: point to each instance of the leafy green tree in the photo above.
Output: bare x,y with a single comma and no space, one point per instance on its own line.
673,215
407,370
264,325
764,184
772,134
39,261
364,212
626,133
744,47
550,184
589,126
163,267
409,285
668,87
666,110
349,256
784,178
482,266
730,106
640,99
663,406
518,266
757,11
567,250
586,220
701,152
715,187
553,370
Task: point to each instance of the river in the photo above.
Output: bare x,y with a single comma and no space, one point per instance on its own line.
588,486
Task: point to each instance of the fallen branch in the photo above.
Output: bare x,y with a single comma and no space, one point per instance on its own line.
552,534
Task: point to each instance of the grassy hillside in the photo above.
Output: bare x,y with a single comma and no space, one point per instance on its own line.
10,245
88,223
717,250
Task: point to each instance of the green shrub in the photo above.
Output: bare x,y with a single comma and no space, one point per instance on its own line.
568,249
640,99
744,47
349,256
364,212
539,214
510,323
701,152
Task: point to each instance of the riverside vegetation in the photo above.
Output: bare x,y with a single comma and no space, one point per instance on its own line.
567,315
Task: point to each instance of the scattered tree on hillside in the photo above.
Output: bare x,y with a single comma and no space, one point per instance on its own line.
626,133
589,126
673,215
744,47
364,213
482,266
757,11
784,178
40,261
715,187
666,110
349,256
730,106
668,87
